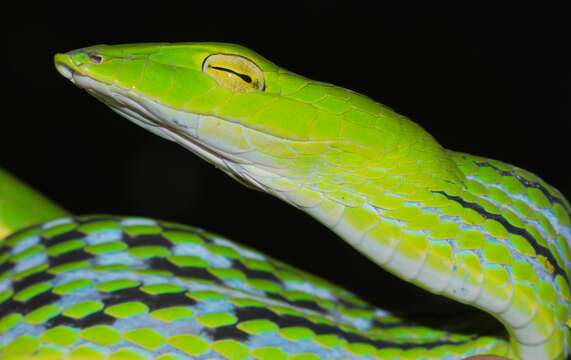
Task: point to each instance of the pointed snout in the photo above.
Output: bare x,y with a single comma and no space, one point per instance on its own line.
64,65
71,62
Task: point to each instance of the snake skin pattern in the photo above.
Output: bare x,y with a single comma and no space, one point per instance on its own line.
103,287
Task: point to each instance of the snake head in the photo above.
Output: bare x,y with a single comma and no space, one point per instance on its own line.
245,114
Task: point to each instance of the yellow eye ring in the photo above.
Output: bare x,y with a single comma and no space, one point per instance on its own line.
234,72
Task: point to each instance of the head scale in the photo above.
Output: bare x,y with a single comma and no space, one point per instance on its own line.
250,117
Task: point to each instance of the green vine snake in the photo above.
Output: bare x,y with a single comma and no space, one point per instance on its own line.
475,230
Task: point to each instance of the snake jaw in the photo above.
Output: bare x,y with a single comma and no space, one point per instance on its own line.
191,130
70,64
65,65
152,116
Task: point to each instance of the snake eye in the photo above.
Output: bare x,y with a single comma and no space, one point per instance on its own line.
234,72
95,58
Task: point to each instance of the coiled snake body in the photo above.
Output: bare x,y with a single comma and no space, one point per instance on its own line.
476,230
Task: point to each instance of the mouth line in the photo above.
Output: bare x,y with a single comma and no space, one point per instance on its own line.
125,104
65,71
112,98
66,67
73,73
137,108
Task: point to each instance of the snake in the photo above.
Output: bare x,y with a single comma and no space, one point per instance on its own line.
478,231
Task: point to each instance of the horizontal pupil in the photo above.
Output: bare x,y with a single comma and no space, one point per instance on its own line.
244,77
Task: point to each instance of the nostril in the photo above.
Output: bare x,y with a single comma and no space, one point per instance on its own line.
95,58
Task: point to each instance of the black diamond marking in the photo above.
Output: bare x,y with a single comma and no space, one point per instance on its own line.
69,257
228,332
7,266
256,274
148,240
98,318
525,182
540,250
258,313
305,304
32,304
70,235
168,300
123,296
31,280
154,302
189,272
11,306
254,313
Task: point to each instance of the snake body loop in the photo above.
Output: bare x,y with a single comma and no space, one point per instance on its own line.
476,230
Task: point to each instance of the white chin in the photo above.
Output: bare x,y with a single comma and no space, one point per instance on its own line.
65,71
170,124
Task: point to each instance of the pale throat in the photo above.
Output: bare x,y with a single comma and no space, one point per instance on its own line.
249,156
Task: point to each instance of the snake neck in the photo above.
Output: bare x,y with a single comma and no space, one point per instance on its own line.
453,237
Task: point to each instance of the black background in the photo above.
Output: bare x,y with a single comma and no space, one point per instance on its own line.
496,85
